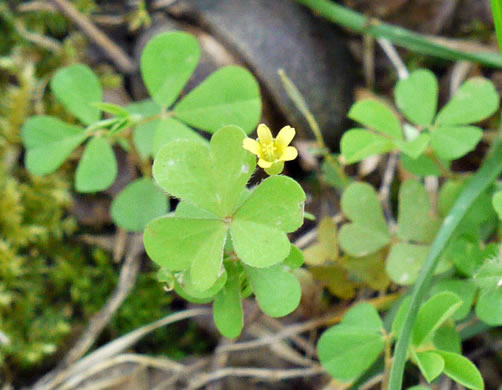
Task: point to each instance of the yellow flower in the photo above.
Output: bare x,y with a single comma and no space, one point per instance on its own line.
272,152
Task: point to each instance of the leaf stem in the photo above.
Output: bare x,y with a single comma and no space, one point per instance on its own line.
300,103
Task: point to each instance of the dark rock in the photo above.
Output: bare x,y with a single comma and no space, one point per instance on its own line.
269,35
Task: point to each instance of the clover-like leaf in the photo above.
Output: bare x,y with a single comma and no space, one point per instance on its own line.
277,291
209,176
167,63
49,141
358,144
415,221
349,349
78,87
137,204
475,100
417,97
228,313
377,115
368,231
462,370
260,224
430,363
230,96
178,244
433,313
97,168
451,143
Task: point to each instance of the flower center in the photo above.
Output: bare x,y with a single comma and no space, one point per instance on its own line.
269,150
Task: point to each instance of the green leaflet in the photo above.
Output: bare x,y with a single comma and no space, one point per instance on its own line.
230,96
167,62
368,231
350,348
49,141
138,203
97,168
417,97
78,87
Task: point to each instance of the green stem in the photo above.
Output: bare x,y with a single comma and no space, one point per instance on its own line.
300,103
437,47
497,18
486,175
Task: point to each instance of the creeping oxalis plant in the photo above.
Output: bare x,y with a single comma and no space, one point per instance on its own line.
225,241
468,277
228,96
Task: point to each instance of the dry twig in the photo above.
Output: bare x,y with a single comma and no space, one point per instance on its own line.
110,48
262,374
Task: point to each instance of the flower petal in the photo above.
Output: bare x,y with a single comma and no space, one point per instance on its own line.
290,153
285,136
264,134
264,163
251,145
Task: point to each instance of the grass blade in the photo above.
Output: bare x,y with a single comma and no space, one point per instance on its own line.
497,18
402,37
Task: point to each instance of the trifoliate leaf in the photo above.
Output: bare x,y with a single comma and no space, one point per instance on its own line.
451,143
167,63
97,168
368,231
277,291
138,204
78,87
417,97
475,100
209,176
358,144
230,96
260,225
376,115
49,141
